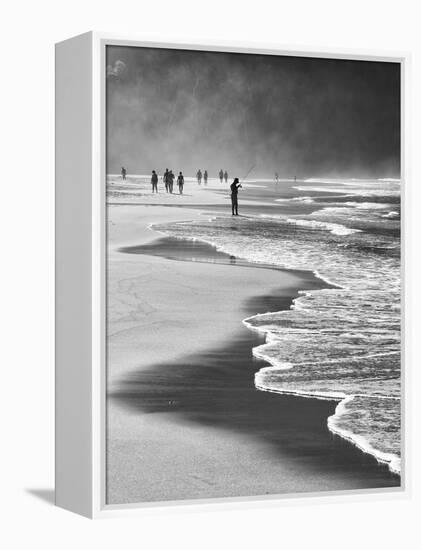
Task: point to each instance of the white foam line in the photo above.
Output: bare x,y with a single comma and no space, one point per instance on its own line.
153,227
325,190
334,228
391,460
310,395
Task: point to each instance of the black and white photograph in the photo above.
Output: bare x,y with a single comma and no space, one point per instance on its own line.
253,274
211,220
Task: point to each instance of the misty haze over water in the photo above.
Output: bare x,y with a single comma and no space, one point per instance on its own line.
297,116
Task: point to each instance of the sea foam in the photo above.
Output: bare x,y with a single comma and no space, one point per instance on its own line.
340,343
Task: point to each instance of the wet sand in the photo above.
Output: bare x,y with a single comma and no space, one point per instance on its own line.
185,420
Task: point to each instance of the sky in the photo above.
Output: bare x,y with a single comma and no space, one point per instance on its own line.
307,117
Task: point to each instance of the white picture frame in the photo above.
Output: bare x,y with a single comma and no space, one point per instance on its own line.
81,282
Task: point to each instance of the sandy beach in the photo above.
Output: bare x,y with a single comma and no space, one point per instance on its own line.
184,418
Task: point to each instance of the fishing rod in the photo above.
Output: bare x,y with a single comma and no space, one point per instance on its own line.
245,177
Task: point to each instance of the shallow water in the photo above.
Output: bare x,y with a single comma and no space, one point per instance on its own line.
338,343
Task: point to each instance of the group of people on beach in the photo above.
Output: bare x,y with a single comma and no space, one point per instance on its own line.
169,177
223,175
199,175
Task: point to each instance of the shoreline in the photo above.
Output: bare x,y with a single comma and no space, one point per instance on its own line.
198,250
390,459
282,447
167,314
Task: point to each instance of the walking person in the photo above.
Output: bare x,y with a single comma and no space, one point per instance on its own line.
221,175
276,177
205,177
123,172
165,179
235,185
226,176
180,182
199,176
171,181
154,181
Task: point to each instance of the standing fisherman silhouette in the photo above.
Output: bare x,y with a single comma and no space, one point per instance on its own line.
226,176
123,172
165,179
170,181
180,182
199,176
234,196
276,177
205,177
154,181
221,175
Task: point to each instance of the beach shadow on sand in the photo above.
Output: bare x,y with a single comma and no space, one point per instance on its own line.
216,388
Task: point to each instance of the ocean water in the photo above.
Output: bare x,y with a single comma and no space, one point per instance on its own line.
341,342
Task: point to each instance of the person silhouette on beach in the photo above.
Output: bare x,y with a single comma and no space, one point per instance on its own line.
276,177
205,177
165,179
199,176
226,176
221,175
123,172
180,182
170,181
235,185
154,181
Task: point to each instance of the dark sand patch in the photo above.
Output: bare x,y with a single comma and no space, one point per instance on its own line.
214,390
